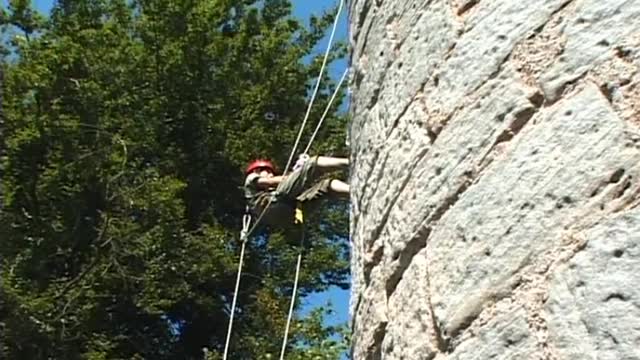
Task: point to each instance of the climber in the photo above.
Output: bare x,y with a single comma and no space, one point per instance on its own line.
304,186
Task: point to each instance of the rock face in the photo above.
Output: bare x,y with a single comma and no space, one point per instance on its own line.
496,179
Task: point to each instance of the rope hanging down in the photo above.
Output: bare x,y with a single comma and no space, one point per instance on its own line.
315,90
300,219
244,235
326,111
246,220
299,260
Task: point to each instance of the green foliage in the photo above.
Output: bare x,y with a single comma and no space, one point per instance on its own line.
127,126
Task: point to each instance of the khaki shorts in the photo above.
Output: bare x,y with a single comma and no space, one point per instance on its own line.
304,186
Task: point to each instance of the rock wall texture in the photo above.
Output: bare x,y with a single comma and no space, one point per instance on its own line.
496,179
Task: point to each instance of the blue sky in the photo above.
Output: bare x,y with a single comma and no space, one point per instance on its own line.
302,9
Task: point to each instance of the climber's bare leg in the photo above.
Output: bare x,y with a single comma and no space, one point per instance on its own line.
339,187
327,163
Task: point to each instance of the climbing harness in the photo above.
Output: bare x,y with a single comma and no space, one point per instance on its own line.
299,215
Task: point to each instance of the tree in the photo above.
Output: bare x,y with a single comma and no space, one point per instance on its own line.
126,135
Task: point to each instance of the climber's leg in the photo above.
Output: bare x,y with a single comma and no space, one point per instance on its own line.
339,188
326,163
327,188
296,182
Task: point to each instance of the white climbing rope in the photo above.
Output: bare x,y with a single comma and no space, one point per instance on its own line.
245,233
295,146
246,220
326,111
299,261
315,90
293,297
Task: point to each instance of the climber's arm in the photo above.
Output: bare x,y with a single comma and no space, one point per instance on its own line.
269,182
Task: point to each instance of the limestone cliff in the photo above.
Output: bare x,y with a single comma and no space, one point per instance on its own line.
496,179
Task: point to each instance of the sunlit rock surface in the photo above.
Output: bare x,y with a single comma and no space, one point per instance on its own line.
495,179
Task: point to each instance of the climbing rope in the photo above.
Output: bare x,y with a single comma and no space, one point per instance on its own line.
326,111
246,231
300,220
315,90
246,220
299,214
244,236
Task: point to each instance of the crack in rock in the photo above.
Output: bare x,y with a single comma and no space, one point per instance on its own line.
520,119
419,239
375,351
466,6
404,258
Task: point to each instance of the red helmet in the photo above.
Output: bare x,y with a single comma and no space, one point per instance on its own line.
257,164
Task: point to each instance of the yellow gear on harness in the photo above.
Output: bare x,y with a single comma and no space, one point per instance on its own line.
299,216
